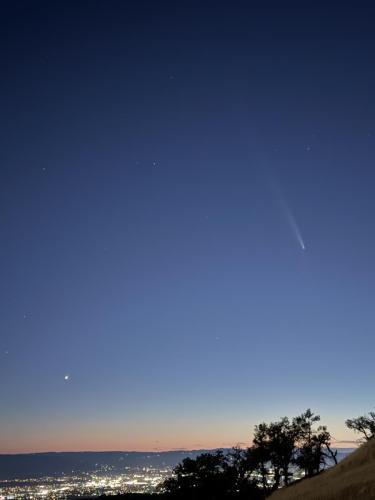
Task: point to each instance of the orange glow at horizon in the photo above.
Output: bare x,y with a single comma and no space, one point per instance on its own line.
98,438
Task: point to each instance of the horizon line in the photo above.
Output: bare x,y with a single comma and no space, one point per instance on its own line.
187,450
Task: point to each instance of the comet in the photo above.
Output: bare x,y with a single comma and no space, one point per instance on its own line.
288,214
291,220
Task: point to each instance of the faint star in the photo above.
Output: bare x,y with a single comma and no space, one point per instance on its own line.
154,163
66,377
308,148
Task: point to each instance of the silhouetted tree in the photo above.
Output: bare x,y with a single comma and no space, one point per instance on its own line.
363,425
274,445
260,454
212,476
313,445
283,441
195,477
257,471
240,468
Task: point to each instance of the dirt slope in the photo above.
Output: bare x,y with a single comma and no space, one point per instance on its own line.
351,479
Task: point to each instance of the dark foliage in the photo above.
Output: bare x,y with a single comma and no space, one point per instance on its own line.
313,445
364,425
255,472
212,476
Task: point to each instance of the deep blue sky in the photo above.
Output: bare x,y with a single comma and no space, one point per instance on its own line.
157,160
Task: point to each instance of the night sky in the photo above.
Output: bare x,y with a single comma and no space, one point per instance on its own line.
187,220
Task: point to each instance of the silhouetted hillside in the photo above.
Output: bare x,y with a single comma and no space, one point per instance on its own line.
351,479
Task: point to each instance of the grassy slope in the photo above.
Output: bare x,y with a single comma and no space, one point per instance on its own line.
351,479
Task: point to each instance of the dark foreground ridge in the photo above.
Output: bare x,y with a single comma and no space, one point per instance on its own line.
351,479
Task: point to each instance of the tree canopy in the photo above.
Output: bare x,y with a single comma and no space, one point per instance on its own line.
279,449
364,425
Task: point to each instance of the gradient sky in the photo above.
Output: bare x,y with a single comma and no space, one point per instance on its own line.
161,163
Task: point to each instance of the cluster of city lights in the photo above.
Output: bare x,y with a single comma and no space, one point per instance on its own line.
132,480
